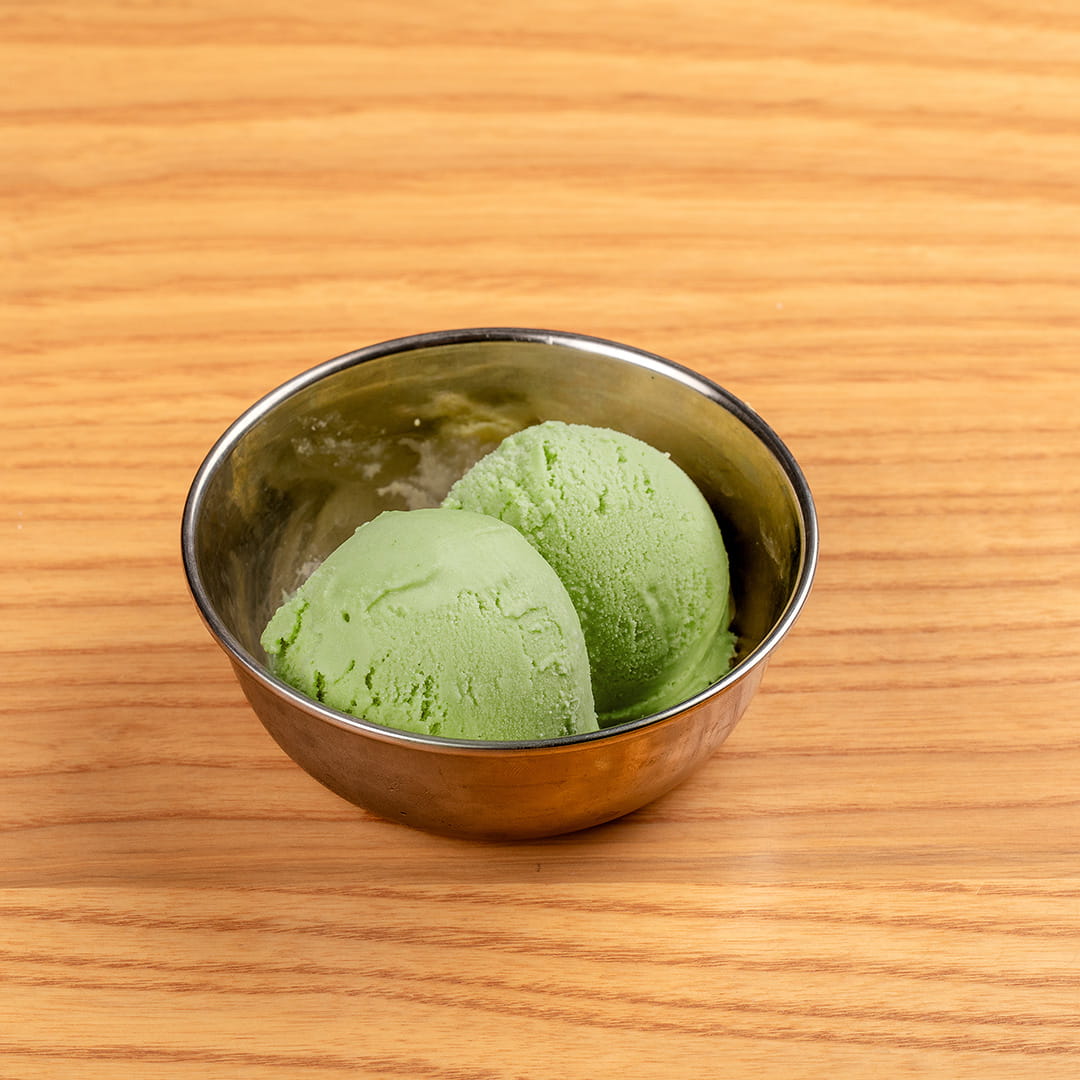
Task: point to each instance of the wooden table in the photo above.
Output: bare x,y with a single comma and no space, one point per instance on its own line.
861,217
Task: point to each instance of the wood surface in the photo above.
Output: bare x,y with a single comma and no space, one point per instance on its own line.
860,216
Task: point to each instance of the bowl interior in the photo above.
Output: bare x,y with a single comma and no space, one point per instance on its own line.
393,430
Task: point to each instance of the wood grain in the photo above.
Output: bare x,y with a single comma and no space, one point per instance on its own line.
860,216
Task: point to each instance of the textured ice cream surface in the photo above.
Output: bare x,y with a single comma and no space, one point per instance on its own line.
637,547
441,622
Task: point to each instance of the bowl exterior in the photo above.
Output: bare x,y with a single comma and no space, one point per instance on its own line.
390,427
495,793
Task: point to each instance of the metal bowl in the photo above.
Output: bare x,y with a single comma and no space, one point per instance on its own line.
391,426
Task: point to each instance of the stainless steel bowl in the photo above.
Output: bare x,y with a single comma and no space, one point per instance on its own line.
390,427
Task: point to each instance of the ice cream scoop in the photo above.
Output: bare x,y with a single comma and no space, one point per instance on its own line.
637,547
442,622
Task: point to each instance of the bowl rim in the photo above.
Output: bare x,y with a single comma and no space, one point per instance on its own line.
653,362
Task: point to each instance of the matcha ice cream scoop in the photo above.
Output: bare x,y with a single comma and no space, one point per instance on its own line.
637,547
442,622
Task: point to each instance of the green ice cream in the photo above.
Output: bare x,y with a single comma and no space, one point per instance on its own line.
637,547
442,622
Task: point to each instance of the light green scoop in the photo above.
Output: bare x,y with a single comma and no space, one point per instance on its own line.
442,622
637,547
